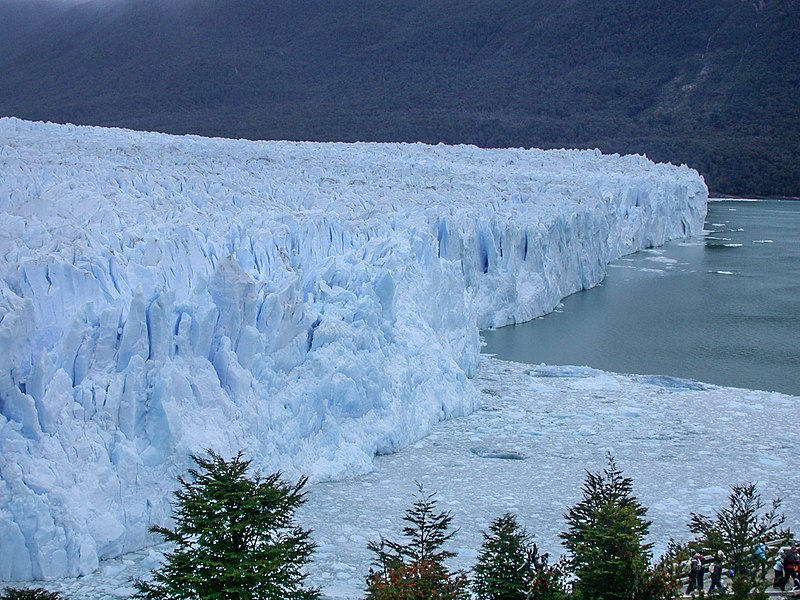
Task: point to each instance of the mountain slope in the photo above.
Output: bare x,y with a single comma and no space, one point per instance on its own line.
710,83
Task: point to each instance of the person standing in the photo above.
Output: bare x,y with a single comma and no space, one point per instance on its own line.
760,557
778,577
716,573
696,570
790,563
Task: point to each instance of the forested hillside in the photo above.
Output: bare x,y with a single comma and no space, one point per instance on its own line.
710,83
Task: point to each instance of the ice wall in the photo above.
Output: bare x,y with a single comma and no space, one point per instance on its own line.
310,304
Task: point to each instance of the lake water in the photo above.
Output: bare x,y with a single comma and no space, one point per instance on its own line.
722,309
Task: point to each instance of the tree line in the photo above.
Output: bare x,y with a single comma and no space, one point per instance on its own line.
235,538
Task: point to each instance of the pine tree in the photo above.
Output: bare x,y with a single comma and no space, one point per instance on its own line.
234,537
738,530
664,579
415,570
605,538
549,581
503,570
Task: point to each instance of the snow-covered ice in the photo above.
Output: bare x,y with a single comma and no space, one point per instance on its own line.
310,304
684,443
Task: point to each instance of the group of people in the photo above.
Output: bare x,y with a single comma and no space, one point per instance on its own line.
787,566
785,571
698,568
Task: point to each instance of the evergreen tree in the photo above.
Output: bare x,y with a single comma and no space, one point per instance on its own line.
509,568
549,581
234,537
605,538
503,570
748,536
415,570
664,580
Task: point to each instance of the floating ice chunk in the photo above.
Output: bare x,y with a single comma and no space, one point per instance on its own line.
629,413
496,453
668,382
563,371
662,259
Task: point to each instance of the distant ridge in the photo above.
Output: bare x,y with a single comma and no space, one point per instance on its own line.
712,83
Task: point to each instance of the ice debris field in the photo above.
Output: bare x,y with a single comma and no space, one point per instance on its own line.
683,443
313,305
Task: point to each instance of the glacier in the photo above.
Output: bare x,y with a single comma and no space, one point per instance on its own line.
312,304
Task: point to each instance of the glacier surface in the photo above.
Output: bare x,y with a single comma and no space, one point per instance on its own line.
311,304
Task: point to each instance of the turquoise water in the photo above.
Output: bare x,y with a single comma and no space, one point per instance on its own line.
722,309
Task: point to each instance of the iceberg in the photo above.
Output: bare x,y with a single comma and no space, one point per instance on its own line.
312,304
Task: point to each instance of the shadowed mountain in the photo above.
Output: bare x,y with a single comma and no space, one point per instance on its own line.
712,83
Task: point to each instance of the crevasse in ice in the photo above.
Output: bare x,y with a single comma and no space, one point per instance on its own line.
310,304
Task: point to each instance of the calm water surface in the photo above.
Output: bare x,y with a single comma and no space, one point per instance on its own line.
722,309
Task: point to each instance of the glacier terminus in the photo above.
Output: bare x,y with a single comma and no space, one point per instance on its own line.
312,304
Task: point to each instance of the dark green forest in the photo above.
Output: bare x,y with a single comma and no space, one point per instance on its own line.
710,83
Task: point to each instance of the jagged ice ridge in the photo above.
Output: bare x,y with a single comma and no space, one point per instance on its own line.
311,304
